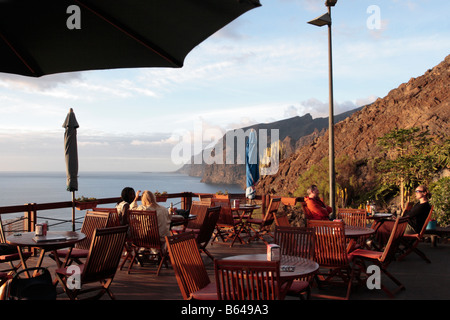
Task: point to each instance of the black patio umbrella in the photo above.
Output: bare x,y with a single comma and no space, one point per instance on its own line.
71,156
53,36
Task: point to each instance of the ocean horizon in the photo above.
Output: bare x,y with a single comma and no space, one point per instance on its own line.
18,188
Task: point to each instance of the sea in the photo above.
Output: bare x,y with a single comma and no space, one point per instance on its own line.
18,188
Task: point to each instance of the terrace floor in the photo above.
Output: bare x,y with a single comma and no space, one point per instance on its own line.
423,281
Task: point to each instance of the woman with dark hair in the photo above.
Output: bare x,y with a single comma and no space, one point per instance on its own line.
416,217
127,201
419,212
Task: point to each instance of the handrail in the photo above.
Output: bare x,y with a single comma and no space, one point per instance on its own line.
30,210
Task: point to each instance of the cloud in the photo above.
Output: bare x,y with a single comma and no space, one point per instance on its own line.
30,84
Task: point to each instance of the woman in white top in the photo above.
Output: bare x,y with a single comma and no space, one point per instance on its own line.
148,200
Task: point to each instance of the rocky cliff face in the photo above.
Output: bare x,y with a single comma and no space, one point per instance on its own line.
421,102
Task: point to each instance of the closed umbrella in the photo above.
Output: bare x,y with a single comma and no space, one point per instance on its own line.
71,156
251,164
52,36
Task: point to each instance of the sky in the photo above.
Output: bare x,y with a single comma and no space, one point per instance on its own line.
267,65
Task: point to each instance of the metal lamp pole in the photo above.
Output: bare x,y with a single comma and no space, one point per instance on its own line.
321,21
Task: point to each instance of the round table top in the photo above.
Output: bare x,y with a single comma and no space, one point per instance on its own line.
245,207
56,239
352,231
302,267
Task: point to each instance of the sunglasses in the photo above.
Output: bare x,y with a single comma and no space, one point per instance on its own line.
421,191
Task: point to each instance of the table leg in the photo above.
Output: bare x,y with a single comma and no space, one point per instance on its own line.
22,260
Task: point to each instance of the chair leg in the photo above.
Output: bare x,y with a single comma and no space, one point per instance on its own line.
399,287
413,248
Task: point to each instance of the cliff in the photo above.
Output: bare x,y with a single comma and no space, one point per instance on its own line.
421,102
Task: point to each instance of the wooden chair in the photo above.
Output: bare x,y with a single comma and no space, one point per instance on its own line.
264,224
299,242
353,217
199,210
248,280
305,209
409,242
114,220
281,220
92,221
12,257
228,228
203,237
190,271
383,259
100,266
331,254
144,234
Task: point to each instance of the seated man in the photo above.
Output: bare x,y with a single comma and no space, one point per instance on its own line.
318,209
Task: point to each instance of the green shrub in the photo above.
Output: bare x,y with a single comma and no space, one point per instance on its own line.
440,192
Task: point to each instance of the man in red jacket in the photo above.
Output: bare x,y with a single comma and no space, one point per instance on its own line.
318,209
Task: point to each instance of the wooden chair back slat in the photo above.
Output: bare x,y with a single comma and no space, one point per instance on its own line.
295,241
330,243
209,224
226,214
91,222
271,212
248,280
144,230
104,254
353,217
187,263
199,210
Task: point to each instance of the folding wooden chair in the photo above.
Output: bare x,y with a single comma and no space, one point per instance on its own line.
353,217
383,259
100,266
199,210
203,237
92,221
299,242
190,271
114,219
12,256
281,220
331,254
263,225
305,209
409,242
144,235
228,228
248,280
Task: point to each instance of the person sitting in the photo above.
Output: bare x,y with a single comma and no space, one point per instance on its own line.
318,209
419,212
416,218
127,202
148,200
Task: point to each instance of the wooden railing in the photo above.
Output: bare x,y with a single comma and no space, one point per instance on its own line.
30,210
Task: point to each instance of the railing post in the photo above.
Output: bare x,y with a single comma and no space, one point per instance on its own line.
29,223
30,217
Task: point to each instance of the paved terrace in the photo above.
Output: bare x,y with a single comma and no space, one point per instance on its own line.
423,281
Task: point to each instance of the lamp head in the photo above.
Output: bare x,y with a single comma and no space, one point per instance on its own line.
323,20
330,3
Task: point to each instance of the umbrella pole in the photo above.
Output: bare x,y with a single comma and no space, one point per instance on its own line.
73,210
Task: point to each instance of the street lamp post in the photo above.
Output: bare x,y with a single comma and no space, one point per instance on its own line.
321,21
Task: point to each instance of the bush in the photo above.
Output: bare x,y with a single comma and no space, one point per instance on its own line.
440,191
